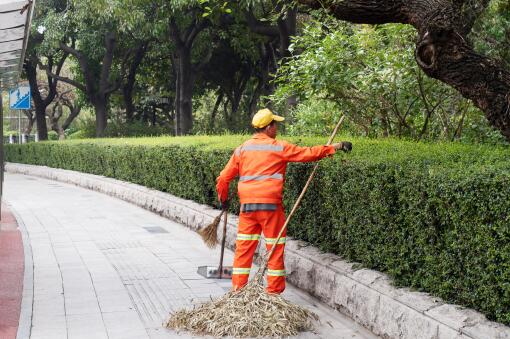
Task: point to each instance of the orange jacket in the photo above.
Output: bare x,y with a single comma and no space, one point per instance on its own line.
261,163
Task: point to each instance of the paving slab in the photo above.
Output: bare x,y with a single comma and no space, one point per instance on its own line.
114,270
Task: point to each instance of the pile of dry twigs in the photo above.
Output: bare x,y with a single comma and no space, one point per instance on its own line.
248,312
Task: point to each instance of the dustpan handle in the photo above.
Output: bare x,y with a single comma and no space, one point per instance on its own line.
220,268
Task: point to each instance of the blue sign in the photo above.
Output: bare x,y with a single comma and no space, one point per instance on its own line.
20,98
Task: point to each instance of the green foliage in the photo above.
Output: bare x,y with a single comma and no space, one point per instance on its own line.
434,216
369,72
85,128
314,117
136,129
491,33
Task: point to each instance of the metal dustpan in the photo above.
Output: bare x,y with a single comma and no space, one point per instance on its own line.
220,272
213,272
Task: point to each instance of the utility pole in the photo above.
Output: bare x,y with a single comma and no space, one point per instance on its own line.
19,126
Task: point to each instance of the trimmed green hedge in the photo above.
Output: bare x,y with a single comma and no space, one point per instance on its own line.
436,217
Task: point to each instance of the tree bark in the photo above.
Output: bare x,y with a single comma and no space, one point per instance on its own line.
101,107
39,103
185,89
30,118
183,67
54,118
128,87
442,51
177,102
219,99
75,111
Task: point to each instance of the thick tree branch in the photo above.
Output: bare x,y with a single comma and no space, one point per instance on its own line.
71,82
193,33
361,11
60,64
50,67
175,33
75,111
106,66
52,81
259,27
84,66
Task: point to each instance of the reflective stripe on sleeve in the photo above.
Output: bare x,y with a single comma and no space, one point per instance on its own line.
277,176
261,147
239,270
253,237
271,241
276,273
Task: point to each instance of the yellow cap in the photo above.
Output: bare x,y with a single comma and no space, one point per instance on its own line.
264,117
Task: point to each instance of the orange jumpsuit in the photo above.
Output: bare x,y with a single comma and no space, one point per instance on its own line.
261,163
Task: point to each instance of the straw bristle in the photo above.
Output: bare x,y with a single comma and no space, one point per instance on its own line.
248,312
209,234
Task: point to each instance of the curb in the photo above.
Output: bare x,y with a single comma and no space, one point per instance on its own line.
365,295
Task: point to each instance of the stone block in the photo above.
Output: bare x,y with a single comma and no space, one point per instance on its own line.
455,316
487,329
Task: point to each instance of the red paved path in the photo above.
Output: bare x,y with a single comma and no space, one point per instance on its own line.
11,274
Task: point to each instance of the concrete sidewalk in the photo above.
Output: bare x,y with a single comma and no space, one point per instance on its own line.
103,268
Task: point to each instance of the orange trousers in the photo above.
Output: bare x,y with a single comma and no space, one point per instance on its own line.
248,234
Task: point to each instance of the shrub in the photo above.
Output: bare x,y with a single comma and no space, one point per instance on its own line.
436,217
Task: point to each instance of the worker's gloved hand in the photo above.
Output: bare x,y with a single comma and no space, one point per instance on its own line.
225,205
345,146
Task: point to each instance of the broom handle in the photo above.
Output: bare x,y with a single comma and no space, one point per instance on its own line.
223,242
298,201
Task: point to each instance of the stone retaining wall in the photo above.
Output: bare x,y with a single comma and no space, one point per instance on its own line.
365,295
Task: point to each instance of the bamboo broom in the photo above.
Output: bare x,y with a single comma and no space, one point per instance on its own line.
260,273
209,233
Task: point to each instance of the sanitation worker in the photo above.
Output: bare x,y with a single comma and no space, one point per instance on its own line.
260,163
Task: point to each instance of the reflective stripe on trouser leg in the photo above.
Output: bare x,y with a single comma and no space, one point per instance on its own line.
276,267
247,240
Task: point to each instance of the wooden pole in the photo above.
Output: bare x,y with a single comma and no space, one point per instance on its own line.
223,242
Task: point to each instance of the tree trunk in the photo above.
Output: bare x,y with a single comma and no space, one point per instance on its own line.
154,119
219,99
54,118
75,111
185,92
184,69
39,103
443,50
177,103
40,120
128,87
30,125
100,106
127,92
